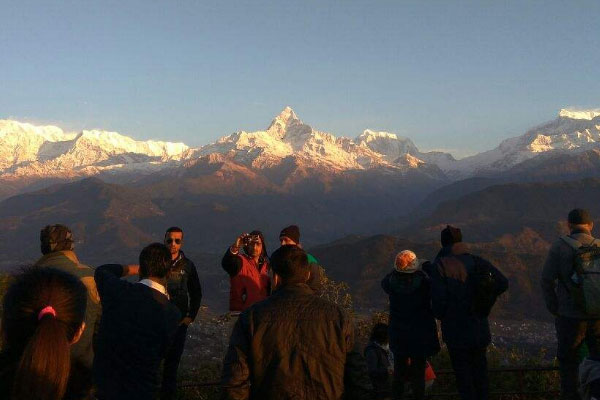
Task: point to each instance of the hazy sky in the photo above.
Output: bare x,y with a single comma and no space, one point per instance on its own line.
451,75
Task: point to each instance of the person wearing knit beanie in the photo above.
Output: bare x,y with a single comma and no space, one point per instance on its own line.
450,235
292,233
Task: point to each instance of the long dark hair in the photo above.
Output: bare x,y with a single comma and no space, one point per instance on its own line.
264,256
40,341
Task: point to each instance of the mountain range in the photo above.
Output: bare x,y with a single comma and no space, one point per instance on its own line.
357,200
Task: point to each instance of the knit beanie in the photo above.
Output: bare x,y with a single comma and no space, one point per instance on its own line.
450,235
292,232
579,216
56,238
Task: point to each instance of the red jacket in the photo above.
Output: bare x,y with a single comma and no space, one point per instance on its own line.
249,283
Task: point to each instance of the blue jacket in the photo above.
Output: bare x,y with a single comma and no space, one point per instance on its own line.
412,327
452,297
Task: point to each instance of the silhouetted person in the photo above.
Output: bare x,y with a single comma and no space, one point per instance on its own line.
248,272
293,345
291,235
380,361
413,332
455,278
43,317
57,245
574,324
138,323
185,293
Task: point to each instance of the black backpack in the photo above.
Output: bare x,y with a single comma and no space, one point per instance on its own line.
584,282
484,289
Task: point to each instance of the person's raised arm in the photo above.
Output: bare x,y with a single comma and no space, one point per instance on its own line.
231,262
108,278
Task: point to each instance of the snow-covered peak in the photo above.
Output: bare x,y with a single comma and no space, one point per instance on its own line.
390,145
368,136
43,151
46,132
114,142
579,114
284,122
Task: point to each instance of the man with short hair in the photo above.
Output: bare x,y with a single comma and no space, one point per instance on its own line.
465,329
137,325
58,245
185,293
573,324
291,235
248,271
293,344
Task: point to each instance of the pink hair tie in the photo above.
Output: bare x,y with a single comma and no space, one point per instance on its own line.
47,310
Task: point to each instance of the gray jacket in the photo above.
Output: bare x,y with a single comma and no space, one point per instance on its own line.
557,270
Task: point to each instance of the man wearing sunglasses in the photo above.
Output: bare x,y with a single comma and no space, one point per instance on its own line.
185,292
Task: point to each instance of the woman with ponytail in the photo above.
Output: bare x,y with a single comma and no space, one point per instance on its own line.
44,311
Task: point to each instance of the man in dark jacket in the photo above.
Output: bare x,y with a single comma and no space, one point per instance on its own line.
137,325
466,333
293,345
573,325
185,293
291,235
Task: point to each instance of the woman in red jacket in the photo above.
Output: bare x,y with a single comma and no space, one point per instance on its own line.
248,272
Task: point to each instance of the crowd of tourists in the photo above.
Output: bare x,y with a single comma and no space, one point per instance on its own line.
70,331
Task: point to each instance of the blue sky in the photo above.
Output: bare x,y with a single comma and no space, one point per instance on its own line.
450,75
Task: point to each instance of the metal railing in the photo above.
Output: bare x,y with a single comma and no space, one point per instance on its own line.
520,391
521,384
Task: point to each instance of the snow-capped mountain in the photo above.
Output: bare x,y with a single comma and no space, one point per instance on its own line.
572,131
46,151
28,151
287,136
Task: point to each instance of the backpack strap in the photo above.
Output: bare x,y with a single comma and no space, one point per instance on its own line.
575,244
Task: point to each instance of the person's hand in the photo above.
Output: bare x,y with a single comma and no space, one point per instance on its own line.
239,241
186,321
131,269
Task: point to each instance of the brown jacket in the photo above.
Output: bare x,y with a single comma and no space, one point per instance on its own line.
294,345
66,260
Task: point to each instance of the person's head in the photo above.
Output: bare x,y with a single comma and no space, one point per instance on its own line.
406,261
290,235
580,219
379,333
290,264
44,311
56,238
450,235
174,240
155,261
255,246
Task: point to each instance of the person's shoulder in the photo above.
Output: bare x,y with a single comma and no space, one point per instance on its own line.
311,259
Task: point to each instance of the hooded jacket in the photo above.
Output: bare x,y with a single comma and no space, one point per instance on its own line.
412,330
452,297
249,283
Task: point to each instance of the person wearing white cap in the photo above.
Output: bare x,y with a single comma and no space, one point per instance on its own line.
413,332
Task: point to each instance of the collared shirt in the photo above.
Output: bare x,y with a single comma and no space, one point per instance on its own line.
155,285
